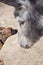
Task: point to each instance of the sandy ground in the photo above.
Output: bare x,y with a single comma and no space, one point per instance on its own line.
11,53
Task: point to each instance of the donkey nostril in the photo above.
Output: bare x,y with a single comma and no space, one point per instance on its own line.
22,22
16,14
27,46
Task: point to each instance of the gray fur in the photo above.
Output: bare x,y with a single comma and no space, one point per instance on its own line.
29,14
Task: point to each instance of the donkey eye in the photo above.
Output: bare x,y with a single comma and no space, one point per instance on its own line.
19,8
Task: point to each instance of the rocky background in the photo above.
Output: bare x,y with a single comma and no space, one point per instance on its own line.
11,53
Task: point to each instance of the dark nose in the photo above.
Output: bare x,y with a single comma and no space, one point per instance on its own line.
14,31
16,14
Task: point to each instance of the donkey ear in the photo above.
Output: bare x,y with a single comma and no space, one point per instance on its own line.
33,1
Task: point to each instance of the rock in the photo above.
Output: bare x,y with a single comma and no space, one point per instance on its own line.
1,62
5,33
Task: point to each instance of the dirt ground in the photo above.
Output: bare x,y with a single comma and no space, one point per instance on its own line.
11,53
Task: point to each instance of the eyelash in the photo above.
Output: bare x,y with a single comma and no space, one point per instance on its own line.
19,8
